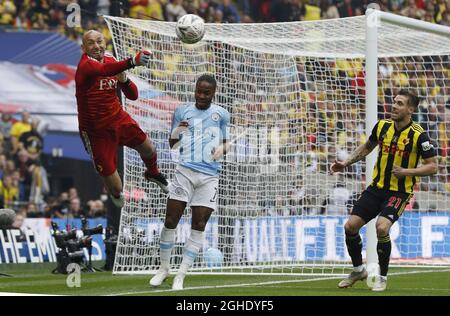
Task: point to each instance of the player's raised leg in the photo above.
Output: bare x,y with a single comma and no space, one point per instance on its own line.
149,156
167,239
102,147
354,247
200,216
113,185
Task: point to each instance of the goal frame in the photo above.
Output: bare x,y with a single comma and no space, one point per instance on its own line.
373,19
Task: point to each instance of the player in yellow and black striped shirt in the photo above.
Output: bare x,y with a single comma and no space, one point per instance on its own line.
402,144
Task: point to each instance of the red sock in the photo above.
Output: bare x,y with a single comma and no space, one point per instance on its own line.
151,164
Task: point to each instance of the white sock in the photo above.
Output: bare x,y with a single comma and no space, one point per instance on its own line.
166,243
359,268
191,249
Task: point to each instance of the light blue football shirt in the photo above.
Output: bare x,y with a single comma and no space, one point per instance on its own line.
206,131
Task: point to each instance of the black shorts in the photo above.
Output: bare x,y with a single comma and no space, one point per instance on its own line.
374,201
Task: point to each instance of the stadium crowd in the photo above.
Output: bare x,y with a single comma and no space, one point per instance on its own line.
52,14
323,121
24,184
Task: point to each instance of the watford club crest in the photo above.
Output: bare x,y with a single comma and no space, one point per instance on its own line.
99,168
406,141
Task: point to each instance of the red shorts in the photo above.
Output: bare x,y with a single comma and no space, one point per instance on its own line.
102,144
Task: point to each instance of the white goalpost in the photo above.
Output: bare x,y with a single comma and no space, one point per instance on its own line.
300,95
374,19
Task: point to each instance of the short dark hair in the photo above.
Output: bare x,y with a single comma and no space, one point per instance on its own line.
413,99
208,78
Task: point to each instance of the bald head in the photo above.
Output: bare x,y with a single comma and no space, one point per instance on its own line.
94,44
90,34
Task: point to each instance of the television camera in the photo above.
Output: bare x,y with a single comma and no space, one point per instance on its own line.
71,246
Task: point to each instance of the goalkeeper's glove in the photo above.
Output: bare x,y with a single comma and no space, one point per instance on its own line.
141,59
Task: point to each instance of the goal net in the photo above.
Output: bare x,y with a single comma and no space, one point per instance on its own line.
296,95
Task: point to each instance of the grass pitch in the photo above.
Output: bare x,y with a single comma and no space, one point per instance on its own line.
38,279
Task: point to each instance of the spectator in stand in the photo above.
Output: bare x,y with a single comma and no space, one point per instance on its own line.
431,124
281,11
445,18
96,209
9,192
18,224
88,10
137,6
10,167
312,11
155,10
65,208
75,210
444,135
192,6
2,165
49,206
6,124
33,211
253,10
337,202
39,183
218,17
24,165
22,22
18,128
297,10
346,9
73,193
328,10
103,7
60,209
57,19
15,176
174,10
206,11
229,11
18,221
32,142
299,200
413,11
7,12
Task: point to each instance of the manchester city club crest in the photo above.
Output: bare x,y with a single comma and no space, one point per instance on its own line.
179,191
215,117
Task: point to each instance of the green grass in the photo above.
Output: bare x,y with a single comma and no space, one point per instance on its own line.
38,279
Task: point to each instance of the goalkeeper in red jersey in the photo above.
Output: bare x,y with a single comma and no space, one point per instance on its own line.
103,124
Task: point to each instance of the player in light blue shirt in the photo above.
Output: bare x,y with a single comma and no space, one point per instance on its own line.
205,129
200,131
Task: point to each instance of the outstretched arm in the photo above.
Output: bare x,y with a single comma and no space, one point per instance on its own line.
95,68
360,152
